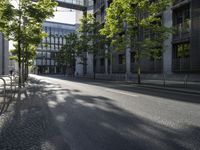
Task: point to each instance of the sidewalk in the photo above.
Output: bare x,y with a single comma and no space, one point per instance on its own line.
28,123
178,86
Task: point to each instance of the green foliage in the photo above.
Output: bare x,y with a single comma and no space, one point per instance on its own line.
23,25
30,53
126,21
90,39
183,50
69,51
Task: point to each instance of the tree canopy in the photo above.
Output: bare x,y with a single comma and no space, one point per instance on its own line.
138,25
23,25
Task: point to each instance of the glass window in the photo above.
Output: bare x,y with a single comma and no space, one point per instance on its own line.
133,57
102,62
122,59
181,50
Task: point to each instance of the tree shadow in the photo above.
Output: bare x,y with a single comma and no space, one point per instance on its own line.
30,124
130,87
45,116
96,122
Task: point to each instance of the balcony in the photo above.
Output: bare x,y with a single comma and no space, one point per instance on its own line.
177,1
180,3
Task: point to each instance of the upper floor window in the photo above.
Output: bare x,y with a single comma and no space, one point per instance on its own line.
181,19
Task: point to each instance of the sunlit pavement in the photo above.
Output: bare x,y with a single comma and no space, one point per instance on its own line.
57,113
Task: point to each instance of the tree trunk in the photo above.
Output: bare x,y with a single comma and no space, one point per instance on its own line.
111,63
139,72
26,65
23,68
94,66
19,48
19,62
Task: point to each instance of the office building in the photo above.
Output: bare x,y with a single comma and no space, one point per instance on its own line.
46,59
183,15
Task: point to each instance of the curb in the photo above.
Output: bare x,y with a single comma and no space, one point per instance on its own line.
188,91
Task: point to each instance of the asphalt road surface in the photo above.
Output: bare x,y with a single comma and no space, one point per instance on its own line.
99,115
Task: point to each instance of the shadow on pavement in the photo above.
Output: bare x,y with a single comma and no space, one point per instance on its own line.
97,123
30,125
44,120
130,87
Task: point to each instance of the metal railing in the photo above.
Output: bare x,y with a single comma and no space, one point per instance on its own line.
8,88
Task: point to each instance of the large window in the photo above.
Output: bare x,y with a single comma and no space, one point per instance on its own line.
102,62
122,59
133,57
181,50
181,19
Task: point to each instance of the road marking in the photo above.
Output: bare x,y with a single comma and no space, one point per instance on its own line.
124,93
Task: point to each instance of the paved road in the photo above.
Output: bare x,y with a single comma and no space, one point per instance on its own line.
111,116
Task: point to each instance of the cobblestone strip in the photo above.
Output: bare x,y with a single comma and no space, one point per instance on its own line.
29,124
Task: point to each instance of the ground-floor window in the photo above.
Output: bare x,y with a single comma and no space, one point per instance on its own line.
181,57
102,62
122,59
181,50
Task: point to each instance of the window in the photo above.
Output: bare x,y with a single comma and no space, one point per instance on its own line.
181,50
181,19
122,59
102,62
133,57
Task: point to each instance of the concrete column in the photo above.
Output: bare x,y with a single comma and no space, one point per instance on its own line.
1,54
167,55
79,67
4,54
195,36
55,70
90,70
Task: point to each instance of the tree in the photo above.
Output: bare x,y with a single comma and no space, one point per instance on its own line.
91,40
24,25
69,51
126,24
30,53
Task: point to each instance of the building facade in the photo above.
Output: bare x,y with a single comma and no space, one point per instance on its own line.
4,56
46,61
181,49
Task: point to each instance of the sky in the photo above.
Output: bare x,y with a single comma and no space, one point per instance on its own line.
62,15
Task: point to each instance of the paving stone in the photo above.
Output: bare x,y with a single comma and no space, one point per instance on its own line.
29,124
